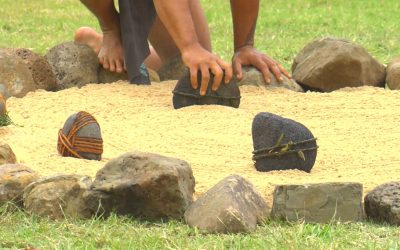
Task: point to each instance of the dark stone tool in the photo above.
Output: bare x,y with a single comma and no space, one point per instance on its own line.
185,95
280,144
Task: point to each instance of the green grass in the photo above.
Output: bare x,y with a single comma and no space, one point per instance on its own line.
18,230
284,27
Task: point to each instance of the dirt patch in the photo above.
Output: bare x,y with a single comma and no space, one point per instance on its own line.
357,129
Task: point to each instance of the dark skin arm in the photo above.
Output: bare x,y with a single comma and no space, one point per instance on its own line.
176,17
244,15
111,53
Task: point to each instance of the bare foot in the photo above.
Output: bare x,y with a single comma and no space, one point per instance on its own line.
90,37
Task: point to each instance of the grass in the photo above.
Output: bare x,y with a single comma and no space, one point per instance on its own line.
19,230
284,27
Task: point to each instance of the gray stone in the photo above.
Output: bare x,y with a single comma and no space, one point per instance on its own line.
15,77
13,179
91,131
253,77
143,185
58,197
7,156
280,144
73,64
319,203
185,95
39,67
393,74
382,204
329,64
231,206
173,69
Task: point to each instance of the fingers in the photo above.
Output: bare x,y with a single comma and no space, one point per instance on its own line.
227,69
205,78
237,67
273,66
263,67
218,74
284,72
193,77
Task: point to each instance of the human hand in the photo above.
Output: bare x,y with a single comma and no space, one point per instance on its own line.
249,56
196,58
111,54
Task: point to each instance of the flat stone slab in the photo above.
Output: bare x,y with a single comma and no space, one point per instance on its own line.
13,179
253,77
231,206
142,185
57,197
185,95
382,204
319,203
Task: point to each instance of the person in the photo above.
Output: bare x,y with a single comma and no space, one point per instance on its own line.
173,27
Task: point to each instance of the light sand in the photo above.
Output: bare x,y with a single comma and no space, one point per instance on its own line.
357,129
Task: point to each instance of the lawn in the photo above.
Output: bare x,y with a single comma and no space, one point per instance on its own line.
284,27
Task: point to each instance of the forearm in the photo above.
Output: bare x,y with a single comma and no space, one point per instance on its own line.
176,17
105,12
244,16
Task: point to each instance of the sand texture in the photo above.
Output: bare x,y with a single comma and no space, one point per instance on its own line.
357,129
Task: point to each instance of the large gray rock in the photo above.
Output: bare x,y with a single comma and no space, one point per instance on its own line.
253,77
58,197
39,67
13,179
393,74
319,203
15,76
231,206
143,185
173,69
382,204
329,64
280,144
73,64
7,156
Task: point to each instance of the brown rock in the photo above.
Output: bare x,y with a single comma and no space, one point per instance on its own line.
15,76
73,64
329,64
58,196
41,71
253,77
382,204
231,206
13,179
393,74
173,69
143,185
3,107
319,203
7,156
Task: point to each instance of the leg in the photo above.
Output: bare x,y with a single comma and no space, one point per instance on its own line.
90,37
165,45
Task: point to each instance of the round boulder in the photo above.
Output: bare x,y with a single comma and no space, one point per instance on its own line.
7,156
393,74
253,77
15,77
80,137
73,64
3,107
330,63
281,144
